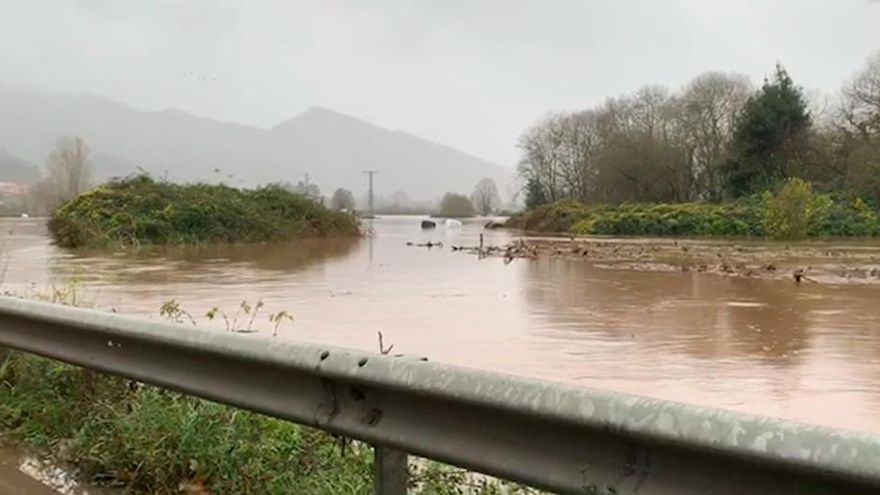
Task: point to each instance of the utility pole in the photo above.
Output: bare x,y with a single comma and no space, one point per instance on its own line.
370,174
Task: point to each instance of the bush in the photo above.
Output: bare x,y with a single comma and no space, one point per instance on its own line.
848,219
553,217
685,219
141,211
456,206
794,211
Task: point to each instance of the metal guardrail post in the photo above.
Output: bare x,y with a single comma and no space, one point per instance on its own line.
389,471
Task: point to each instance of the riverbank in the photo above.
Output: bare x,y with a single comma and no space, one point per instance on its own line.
140,211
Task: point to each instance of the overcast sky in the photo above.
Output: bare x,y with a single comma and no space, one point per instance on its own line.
469,73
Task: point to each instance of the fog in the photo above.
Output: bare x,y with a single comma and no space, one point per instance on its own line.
468,74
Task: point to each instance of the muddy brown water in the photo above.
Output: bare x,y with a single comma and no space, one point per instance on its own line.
808,352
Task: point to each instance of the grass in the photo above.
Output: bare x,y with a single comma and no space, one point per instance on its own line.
145,440
140,211
152,441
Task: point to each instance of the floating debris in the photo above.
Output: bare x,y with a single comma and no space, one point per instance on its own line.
695,256
428,244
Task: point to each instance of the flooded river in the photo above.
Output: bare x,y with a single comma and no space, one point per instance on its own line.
808,352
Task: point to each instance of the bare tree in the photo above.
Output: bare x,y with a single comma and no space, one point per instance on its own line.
559,155
68,169
641,155
855,143
485,197
706,115
540,147
861,106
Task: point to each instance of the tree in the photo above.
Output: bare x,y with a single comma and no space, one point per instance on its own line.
68,169
642,156
770,136
456,206
342,199
485,197
534,194
560,155
706,118
861,108
855,140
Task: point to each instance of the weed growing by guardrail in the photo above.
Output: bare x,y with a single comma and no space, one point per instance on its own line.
146,440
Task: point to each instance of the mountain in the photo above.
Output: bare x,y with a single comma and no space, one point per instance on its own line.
332,148
14,169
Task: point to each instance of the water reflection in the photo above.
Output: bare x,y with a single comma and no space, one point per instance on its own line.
702,315
201,263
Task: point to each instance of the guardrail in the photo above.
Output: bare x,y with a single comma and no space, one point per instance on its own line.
546,435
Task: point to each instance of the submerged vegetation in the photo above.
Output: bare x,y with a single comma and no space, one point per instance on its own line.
794,211
141,211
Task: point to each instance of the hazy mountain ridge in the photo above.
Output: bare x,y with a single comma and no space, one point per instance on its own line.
333,148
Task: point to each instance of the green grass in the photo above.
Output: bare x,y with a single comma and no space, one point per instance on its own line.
140,211
153,441
150,441
146,440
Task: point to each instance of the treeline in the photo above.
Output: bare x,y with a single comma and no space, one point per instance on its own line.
715,139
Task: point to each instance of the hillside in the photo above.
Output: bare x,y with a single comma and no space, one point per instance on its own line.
333,148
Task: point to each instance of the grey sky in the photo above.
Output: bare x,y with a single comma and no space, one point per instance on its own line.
469,73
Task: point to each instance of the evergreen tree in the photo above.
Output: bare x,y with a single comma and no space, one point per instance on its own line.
770,136
535,196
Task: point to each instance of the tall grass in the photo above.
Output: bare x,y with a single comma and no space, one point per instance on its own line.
146,440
